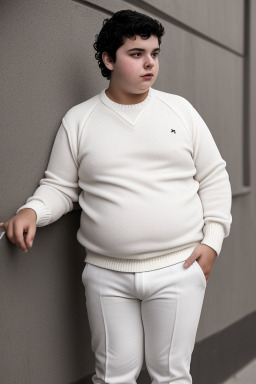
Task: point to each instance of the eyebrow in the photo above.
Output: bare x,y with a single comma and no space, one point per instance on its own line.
142,50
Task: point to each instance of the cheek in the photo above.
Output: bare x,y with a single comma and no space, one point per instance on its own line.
133,69
128,68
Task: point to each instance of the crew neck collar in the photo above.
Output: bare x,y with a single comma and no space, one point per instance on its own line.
125,107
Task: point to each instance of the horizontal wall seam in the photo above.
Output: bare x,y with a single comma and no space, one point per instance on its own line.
158,13
94,6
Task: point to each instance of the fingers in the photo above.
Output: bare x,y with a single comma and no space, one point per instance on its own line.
188,263
2,227
16,233
30,236
9,231
18,236
190,260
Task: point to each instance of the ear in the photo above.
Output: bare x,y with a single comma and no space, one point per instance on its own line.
107,60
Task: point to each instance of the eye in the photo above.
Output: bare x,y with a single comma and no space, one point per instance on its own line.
138,53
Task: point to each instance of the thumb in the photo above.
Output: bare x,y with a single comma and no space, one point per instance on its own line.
190,260
30,236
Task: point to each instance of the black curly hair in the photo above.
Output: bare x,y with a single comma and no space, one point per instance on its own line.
124,23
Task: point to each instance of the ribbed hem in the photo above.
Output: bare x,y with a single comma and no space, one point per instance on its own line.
125,107
128,265
43,213
213,236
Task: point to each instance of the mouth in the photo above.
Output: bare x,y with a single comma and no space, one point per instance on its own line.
148,76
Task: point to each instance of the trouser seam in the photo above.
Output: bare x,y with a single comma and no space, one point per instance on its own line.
106,336
173,332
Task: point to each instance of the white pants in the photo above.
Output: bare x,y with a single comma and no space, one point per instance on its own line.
155,312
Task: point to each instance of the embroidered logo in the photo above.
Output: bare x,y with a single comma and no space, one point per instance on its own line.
173,131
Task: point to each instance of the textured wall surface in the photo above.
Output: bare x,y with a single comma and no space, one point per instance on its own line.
47,66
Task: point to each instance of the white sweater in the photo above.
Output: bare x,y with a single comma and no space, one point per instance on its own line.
149,179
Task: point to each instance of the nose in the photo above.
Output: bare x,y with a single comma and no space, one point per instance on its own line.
149,62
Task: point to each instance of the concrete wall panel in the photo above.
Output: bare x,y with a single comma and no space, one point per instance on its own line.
220,20
48,66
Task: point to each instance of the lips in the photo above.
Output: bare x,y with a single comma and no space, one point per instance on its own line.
148,74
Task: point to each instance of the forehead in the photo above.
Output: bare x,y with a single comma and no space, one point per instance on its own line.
138,42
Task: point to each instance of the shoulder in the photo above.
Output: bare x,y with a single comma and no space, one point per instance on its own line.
77,115
173,99
179,104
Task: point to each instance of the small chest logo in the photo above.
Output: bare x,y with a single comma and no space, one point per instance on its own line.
173,131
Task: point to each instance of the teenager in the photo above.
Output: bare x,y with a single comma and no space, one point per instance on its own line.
155,198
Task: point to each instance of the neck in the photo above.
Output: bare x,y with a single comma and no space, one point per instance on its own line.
123,97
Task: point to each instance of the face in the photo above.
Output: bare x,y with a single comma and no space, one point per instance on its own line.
134,59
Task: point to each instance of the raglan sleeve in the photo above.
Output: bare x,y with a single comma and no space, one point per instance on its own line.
59,188
214,184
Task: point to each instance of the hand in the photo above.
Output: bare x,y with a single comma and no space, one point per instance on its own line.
207,257
21,228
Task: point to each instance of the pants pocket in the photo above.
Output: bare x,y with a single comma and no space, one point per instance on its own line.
201,272
84,274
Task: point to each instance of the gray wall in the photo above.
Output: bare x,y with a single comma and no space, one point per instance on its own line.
47,66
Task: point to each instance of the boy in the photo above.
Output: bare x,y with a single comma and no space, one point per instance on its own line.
154,193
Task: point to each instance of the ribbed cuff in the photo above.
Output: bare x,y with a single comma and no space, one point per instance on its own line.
43,213
213,236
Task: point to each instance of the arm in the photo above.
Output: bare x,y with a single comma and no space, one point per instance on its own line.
53,198
214,191
59,188
214,185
